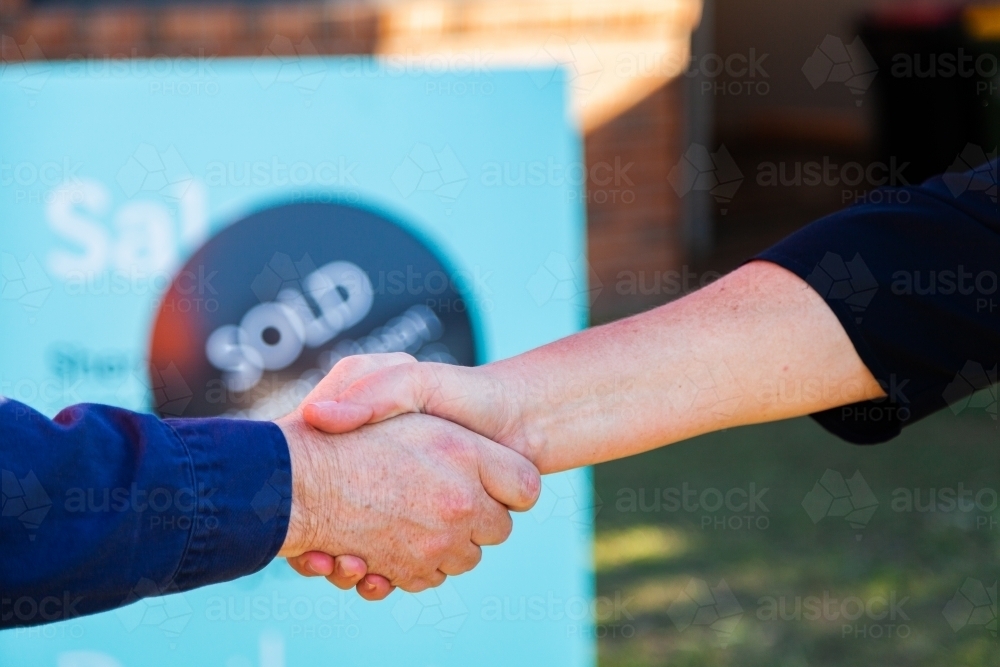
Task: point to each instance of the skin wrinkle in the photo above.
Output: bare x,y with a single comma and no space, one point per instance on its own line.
718,358
693,366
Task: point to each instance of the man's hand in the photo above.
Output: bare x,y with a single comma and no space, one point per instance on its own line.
345,571
414,498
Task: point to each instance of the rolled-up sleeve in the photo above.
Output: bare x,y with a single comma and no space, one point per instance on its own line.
102,507
912,276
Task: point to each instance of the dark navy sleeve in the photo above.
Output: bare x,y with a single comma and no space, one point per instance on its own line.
103,507
912,276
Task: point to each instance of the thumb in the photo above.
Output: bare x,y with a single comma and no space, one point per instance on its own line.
441,390
508,477
346,372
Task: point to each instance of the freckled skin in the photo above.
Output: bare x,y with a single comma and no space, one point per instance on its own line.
413,499
720,357
715,359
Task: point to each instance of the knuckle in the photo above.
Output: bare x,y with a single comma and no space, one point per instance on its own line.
457,505
430,552
400,358
455,448
415,585
505,528
356,364
475,557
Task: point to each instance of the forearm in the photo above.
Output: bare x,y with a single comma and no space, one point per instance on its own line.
757,345
103,506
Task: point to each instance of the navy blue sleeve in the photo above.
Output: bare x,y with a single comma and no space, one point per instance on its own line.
103,507
912,276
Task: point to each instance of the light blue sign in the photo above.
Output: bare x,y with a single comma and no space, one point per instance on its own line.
114,174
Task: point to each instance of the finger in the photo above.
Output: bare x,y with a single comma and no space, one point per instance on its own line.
347,572
493,525
463,562
507,476
374,588
312,564
439,389
423,583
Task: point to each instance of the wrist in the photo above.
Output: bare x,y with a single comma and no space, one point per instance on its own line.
301,521
515,408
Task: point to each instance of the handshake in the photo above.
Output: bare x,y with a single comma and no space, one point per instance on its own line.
400,499
383,499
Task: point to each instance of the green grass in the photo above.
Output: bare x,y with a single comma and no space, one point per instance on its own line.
647,558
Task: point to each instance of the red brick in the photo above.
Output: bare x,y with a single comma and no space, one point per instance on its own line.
53,30
212,29
115,31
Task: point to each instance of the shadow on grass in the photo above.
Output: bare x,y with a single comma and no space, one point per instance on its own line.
845,556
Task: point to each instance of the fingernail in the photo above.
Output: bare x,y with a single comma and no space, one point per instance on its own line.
309,566
369,586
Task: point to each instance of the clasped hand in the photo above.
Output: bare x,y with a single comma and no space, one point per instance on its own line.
383,499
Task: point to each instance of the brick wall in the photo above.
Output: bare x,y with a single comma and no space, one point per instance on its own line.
634,220
624,96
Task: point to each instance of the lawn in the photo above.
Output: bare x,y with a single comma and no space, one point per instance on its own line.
890,558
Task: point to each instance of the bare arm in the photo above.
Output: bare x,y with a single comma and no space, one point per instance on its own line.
757,345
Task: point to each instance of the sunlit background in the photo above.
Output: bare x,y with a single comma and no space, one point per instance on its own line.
710,130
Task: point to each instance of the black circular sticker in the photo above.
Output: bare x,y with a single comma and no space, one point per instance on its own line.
267,306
